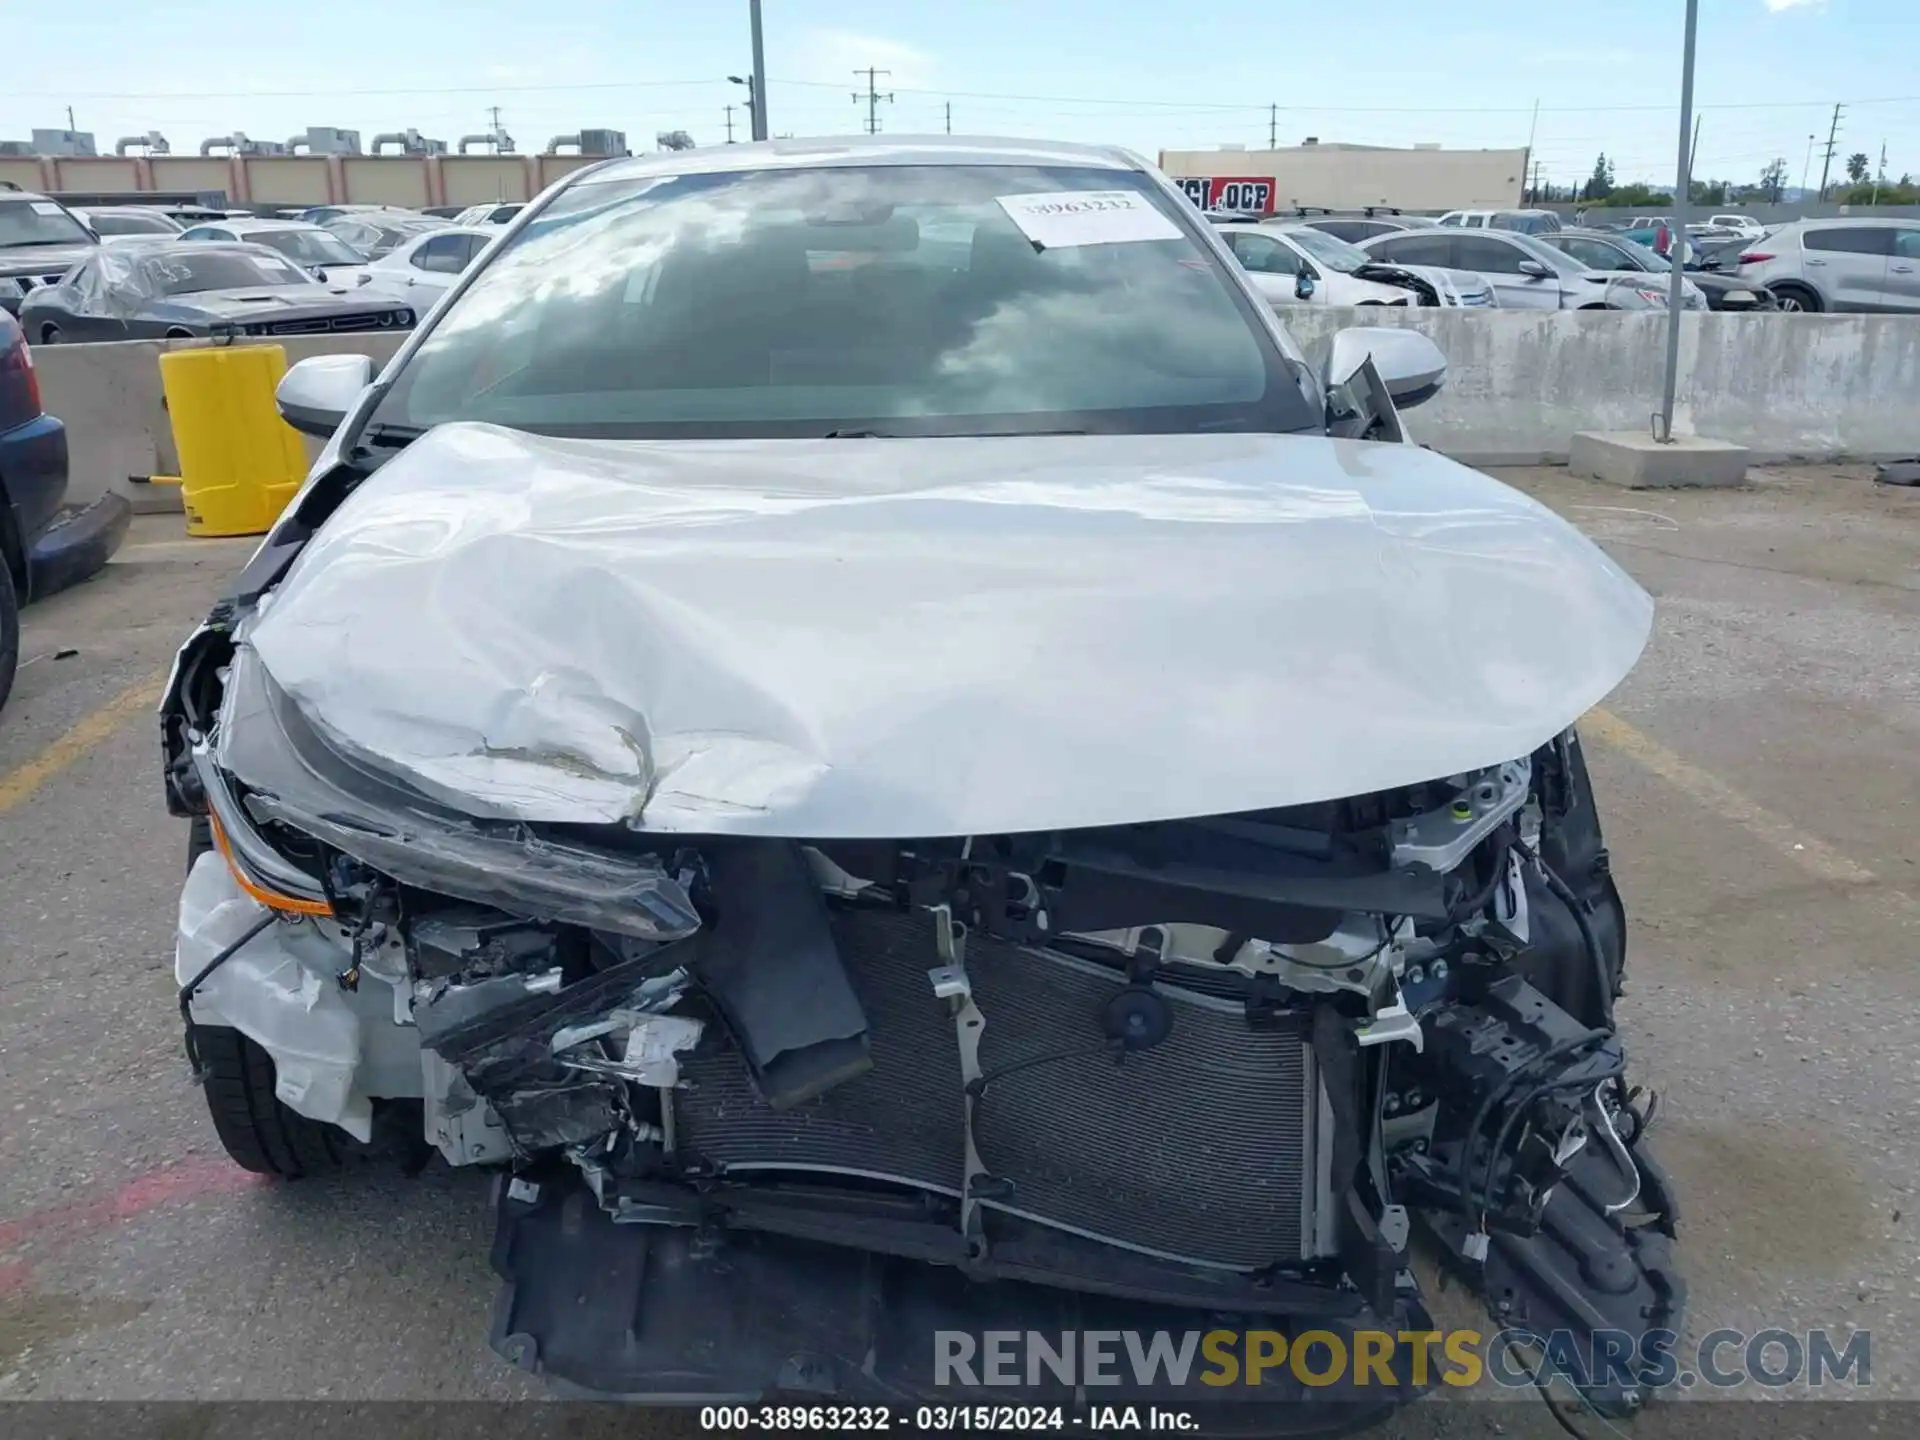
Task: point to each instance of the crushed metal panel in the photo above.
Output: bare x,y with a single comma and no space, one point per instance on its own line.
858,638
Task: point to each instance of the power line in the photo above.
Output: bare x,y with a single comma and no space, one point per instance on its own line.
873,98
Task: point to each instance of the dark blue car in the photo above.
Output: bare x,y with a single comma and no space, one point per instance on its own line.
44,544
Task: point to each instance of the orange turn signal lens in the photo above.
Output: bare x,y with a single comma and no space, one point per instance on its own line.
272,899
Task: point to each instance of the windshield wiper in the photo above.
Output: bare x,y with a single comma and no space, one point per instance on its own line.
943,435
389,436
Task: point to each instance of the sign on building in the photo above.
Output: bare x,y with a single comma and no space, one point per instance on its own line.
1250,193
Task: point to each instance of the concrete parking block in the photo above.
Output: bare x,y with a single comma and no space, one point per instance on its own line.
1634,459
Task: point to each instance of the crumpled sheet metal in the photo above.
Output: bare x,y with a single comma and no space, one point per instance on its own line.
883,638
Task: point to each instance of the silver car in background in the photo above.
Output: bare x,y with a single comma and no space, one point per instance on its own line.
1525,273
1450,288
1814,265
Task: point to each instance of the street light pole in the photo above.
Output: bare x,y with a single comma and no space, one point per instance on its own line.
760,131
1677,255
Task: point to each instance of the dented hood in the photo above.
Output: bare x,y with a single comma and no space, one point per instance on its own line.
888,638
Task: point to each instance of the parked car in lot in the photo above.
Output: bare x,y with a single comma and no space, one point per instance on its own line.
318,251
1524,272
1618,255
1526,222
1363,226
111,222
45,545
40,240
430,263
911,787
179,288
1745,226
1841,264
494,212
1430,284
324,214
1286,270
381,234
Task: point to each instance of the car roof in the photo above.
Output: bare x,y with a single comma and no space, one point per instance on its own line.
856,150
145,245
1872,222
260,222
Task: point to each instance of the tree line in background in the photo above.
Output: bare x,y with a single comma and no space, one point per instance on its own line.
1861,187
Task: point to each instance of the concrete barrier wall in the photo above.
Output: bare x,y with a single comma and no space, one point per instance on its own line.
116,416
1519,384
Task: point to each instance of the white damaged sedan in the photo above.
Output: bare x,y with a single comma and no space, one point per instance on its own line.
859,722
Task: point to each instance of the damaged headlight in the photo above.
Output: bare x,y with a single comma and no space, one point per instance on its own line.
293,777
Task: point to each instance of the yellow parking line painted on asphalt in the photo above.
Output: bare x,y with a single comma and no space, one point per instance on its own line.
17,786
1804,850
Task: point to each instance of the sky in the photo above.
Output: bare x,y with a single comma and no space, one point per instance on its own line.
1148,74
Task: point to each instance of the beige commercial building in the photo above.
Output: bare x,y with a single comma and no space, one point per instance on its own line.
1351,177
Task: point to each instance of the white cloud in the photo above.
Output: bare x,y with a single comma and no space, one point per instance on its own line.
1776,6
832,56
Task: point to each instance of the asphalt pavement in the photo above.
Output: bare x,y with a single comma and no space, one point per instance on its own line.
1759,778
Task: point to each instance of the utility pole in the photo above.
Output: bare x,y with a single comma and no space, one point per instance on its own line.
949,117
70,124
758,92
1827,164
1880,175
1682,192
729,124
1273,127
1806,169
1533,190
873,97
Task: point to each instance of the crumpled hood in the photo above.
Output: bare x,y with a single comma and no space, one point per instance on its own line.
886,638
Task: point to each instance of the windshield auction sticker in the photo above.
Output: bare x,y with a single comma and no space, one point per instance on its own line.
1057,219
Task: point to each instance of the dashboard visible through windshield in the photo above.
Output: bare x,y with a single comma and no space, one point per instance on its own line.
876,300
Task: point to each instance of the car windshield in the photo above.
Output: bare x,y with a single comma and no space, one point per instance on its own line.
37,222
187,272
1646,255
307,247
871,301
124,222
1330,250
1537,249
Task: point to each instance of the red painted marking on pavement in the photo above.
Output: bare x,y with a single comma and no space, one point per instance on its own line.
167,1185
14,1277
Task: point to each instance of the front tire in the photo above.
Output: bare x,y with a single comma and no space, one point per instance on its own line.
257,1131
9,628
199,839
49,334
1796,299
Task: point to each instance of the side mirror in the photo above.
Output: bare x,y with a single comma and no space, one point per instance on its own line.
1409,366
1536,269
1303,284
318,392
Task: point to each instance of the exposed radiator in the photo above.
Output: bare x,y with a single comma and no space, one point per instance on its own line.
1199,1149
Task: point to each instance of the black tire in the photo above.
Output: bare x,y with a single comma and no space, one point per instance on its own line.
257,1131
49,334
199,839
1797,298
9,629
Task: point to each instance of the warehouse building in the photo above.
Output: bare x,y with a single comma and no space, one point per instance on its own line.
1351,177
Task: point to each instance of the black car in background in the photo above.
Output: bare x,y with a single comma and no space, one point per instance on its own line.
172,289
45,543
40,240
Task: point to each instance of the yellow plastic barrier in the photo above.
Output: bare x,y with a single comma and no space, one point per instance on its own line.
240,463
